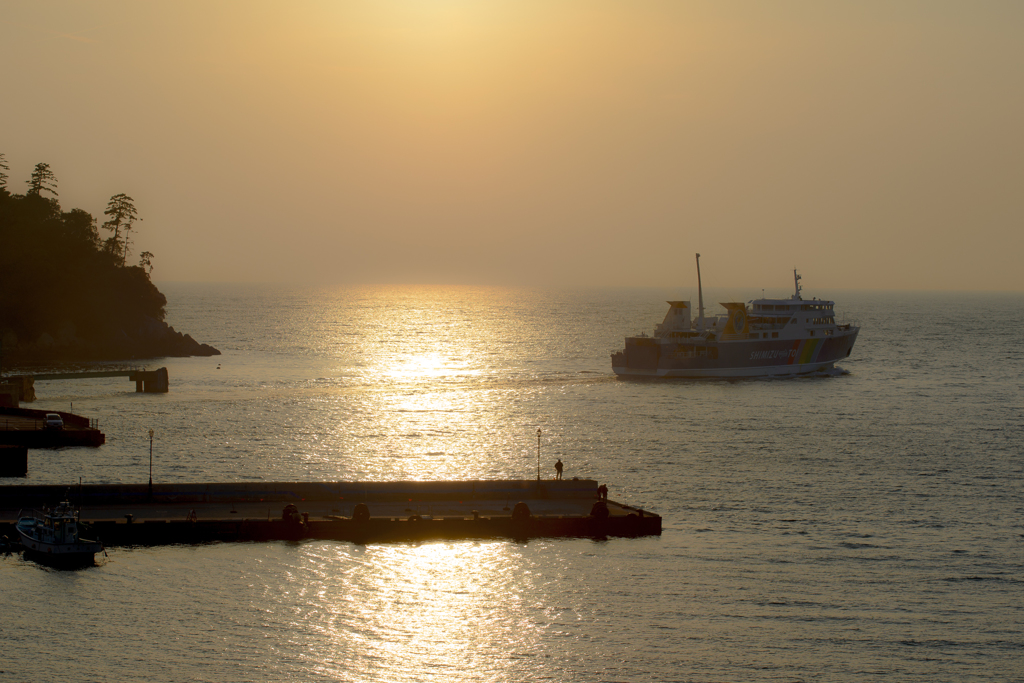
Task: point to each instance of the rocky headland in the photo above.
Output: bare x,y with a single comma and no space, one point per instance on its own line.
149,339
68,295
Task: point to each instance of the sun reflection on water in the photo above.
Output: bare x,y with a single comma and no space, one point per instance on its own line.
416,612
431,365
423,362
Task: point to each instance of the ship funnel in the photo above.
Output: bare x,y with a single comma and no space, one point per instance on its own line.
700,299
676,320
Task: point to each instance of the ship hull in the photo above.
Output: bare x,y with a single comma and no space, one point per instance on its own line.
78,553
64,560
655,357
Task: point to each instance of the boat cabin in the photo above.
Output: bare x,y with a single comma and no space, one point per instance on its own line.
815,316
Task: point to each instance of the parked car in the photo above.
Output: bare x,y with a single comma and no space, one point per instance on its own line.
53,421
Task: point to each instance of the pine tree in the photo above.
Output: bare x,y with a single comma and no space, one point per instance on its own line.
146,262
121,209
42,179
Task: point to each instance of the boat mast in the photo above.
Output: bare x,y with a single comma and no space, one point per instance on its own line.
700,299
796,283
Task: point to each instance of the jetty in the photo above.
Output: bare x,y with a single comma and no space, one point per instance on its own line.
17,389
148,381
27,428
360,512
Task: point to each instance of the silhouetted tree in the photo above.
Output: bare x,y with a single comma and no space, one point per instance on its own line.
146,262
3,167
79,228
56,278
113,247
42,179
121,209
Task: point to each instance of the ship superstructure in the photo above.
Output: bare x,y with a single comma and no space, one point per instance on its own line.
763,337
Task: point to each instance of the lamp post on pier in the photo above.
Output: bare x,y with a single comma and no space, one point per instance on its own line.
150,463
538,455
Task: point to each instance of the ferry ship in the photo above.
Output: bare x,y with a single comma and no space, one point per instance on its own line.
768,337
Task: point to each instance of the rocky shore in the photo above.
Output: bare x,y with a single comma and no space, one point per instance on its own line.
150,339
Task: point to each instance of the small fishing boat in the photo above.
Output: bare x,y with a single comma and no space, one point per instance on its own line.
52,537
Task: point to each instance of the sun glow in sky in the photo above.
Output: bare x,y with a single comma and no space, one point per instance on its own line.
872,145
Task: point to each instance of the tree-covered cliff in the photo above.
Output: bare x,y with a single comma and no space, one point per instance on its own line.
68,294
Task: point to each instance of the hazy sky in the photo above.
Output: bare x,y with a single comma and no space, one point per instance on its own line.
870,144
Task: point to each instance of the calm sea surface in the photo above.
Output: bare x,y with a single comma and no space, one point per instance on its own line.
867,525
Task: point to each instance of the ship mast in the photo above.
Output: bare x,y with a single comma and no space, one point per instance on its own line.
796,283
700,299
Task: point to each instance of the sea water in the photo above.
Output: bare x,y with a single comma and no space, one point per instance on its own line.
864,524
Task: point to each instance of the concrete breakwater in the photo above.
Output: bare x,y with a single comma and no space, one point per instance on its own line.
351,511
26,427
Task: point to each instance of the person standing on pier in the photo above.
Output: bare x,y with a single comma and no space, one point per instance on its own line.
558,469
